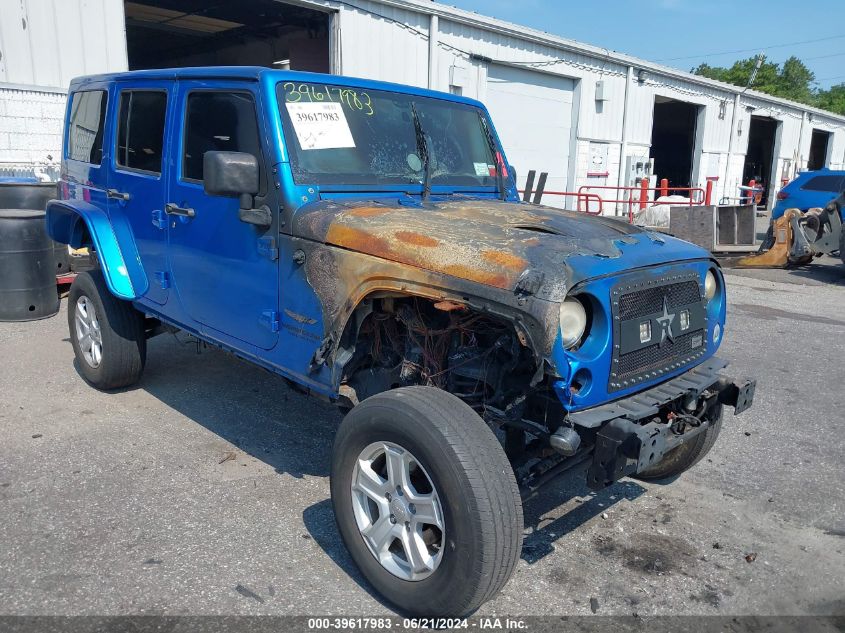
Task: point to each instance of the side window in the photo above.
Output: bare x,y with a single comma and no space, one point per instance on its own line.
824,183
140,130
85,126
218,121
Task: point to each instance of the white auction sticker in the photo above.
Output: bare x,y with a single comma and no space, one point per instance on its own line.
320,125
482,169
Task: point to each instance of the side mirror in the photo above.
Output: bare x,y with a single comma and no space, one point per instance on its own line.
230,174
236,174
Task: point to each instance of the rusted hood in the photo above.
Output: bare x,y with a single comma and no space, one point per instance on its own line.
487,241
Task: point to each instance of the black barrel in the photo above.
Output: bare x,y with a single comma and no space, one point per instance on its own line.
27,267
34,195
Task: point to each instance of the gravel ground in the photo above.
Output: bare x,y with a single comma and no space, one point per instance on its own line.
204,490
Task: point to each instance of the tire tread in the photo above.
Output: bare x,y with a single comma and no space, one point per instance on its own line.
122,328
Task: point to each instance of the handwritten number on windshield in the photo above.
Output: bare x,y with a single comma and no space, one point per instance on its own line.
352,99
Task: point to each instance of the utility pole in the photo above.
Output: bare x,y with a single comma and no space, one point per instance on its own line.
760,59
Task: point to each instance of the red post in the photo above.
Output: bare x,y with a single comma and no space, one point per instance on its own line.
708,192
643,193
664,187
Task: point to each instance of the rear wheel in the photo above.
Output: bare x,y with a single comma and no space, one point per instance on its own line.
687,454
107,333
426,501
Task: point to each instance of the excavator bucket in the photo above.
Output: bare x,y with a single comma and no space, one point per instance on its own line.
800,237
778,255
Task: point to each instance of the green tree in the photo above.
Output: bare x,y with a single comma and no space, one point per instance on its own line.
740,73
795,81
832,100
790,80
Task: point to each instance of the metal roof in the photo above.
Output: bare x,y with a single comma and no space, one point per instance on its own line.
502,27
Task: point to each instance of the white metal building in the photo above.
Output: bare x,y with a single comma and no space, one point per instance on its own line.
584,114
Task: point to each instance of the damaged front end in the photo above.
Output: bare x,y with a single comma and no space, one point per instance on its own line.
637,435
467,296
485,361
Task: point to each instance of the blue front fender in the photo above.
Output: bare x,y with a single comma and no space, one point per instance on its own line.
111,238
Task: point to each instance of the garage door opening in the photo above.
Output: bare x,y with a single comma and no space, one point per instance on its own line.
178,33
818,149
673,136
759,159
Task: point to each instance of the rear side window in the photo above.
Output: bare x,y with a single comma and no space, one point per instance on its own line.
825,183
140,131
85,126
218,122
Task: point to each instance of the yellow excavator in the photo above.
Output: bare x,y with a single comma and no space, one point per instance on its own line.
798,237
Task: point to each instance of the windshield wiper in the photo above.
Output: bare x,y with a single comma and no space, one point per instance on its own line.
424,149
500,180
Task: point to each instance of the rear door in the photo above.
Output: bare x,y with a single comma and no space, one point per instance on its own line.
224,270
138,176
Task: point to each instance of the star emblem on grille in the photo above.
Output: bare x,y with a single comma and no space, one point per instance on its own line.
665,322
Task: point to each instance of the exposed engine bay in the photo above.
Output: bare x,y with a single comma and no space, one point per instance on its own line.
477,357
413,341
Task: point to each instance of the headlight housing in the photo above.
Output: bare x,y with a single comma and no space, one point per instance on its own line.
573,321
711,285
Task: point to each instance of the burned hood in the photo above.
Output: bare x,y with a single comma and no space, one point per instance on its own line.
506,245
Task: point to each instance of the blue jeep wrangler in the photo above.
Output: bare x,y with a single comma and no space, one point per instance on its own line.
366,242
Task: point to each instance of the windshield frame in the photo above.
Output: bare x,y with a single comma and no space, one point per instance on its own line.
414,96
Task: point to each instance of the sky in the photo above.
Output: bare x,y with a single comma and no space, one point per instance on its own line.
696,30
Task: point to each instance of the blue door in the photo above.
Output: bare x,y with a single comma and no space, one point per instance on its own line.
137,182
225,271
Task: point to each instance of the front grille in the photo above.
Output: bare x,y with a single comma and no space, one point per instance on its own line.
647,359
650,300
644,298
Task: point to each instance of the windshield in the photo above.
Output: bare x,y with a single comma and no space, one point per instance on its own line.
349,136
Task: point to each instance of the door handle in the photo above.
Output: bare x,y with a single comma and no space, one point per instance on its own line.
114,194
172,209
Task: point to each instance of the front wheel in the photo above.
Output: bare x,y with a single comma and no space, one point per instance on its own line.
426,501
107,333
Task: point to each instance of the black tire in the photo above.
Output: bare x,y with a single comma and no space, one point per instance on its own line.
688,454
842,244
482,509
768,240
121,332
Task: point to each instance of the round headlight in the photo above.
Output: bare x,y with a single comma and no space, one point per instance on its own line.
573,321
710,285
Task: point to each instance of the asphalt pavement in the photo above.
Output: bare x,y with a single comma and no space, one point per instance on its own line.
204,489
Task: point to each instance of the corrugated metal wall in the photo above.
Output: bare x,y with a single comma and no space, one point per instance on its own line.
48,42
43,45
379,48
